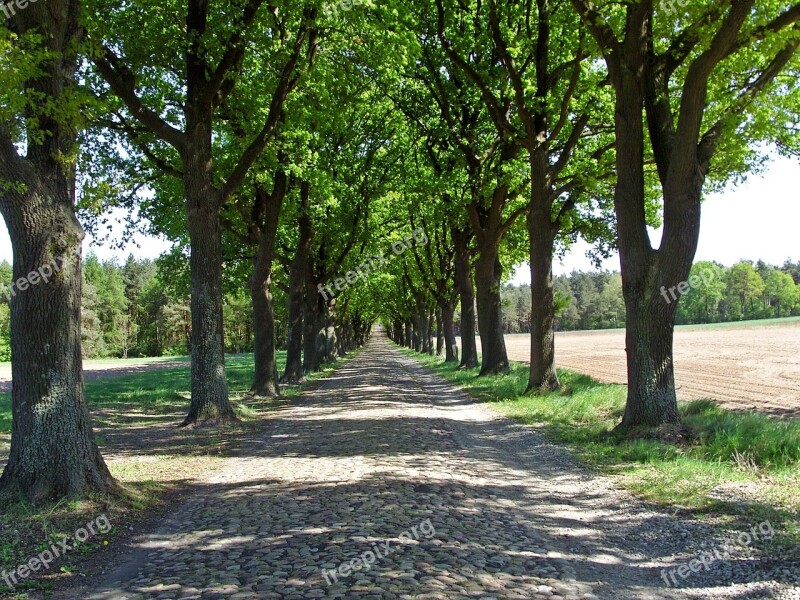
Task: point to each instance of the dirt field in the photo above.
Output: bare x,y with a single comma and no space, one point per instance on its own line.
742,367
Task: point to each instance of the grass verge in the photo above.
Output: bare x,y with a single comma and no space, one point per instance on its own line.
135,418
739,468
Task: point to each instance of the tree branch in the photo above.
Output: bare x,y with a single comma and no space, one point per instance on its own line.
123,83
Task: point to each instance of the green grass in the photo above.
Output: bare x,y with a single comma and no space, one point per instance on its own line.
162,391
737,466
777,322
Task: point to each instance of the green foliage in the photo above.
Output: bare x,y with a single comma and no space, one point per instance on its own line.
137,310
701,304
716,294
744,288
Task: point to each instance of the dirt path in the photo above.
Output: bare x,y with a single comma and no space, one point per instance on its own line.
388,465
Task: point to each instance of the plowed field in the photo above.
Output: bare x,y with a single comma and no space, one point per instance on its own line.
750,366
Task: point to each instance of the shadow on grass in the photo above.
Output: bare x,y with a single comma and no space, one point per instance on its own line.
737,465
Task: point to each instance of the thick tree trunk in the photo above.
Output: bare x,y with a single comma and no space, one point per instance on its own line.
542,375
651,377
451,348
311,326
650,319
408,338
53,453
265,375
466,291
293,373
210,403
488,277
417,332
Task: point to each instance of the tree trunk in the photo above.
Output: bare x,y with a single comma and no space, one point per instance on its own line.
265,375
431,325
311,325
650,319
541,236
469,347
651,378
417,332
439,334
53,452
488,276
293,373
209,402
408,338
451,348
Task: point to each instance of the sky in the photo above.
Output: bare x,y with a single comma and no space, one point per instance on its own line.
759,219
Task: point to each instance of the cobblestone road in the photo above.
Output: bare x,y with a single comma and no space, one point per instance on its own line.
389,465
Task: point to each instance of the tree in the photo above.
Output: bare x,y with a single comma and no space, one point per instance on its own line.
53,452
781,292
701,303
696,74
495,180
531,86
175,84
743,287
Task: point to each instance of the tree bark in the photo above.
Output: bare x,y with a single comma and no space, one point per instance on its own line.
488,277
466,291
439,334
431,324
311,325
293,373
417,333
53,453
265,375
541,236
451,348
210,403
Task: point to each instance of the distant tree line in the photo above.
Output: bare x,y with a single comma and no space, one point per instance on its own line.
594,300
138,309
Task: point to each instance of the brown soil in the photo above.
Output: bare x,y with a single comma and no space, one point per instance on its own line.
748,367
